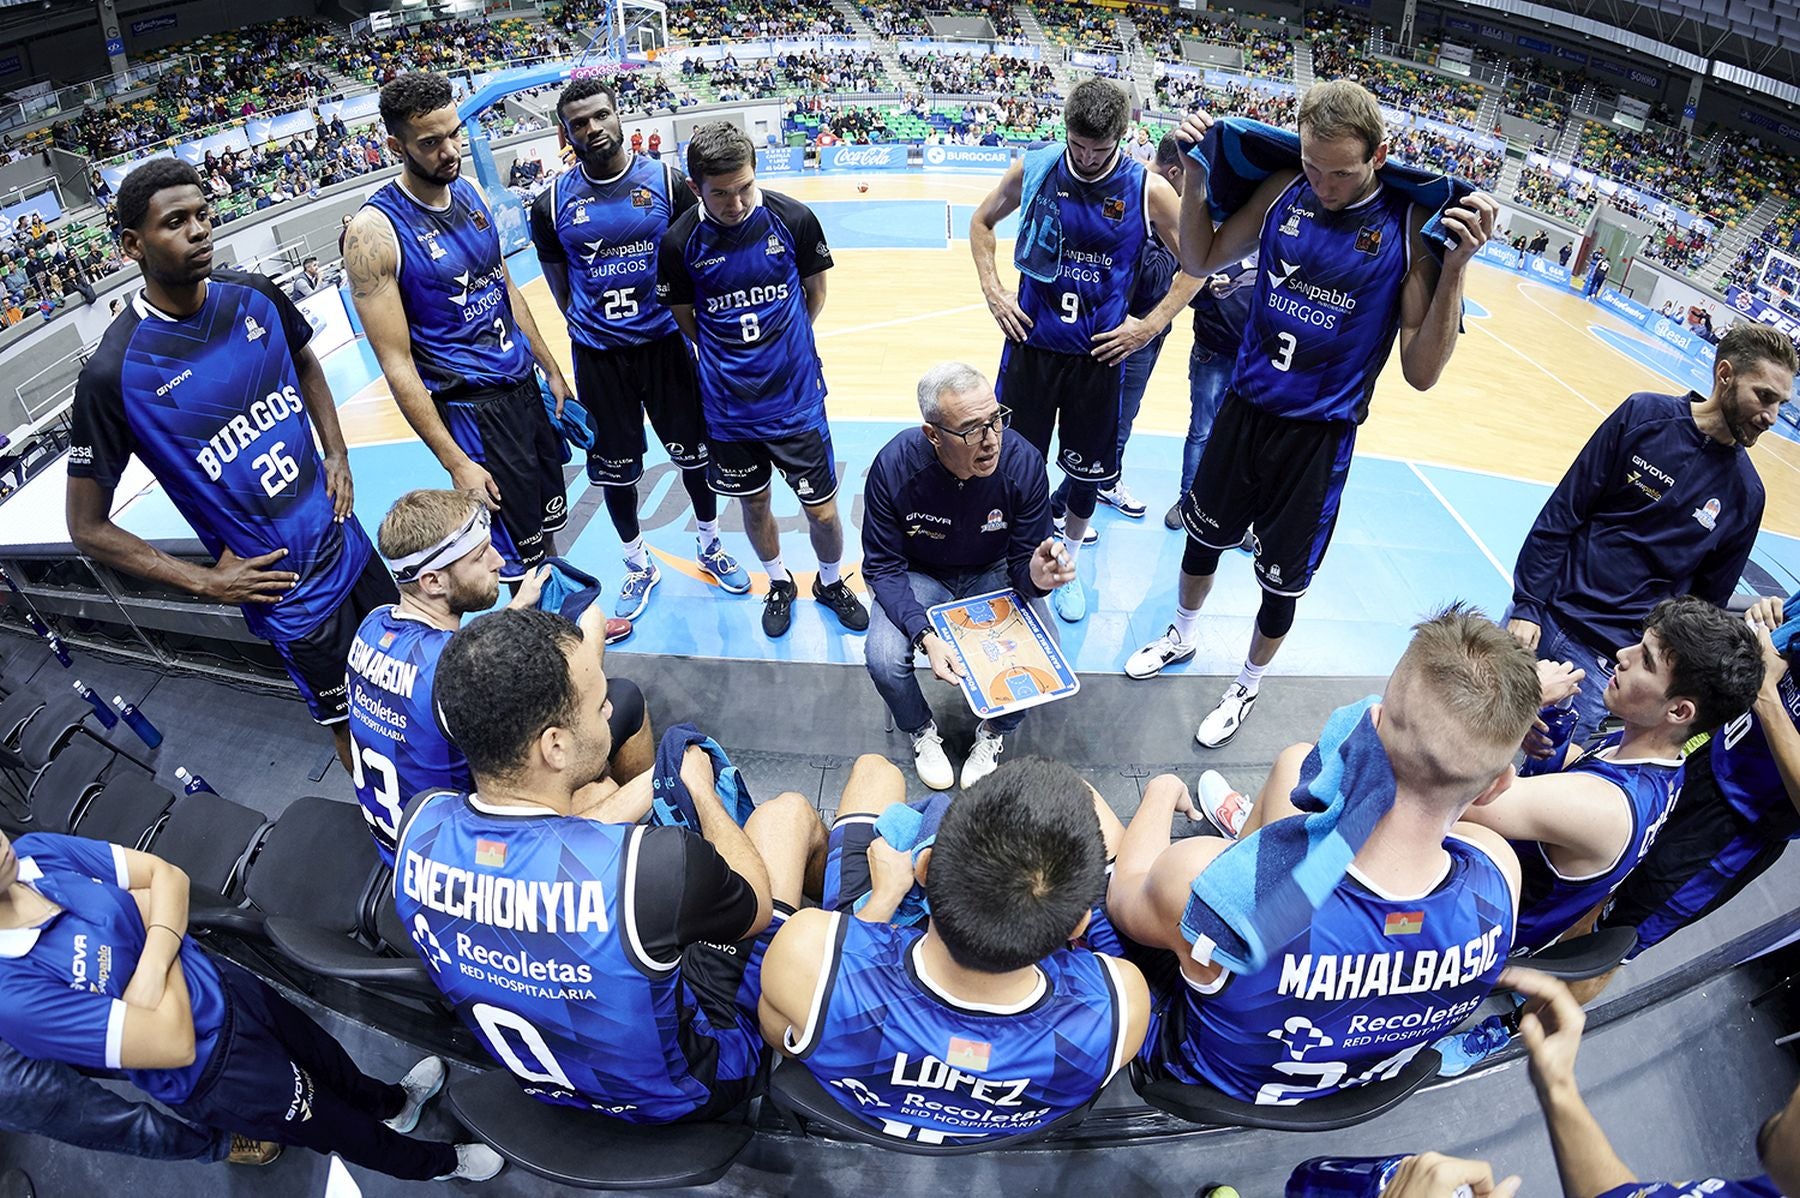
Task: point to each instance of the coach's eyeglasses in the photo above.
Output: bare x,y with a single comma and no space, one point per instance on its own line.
995,424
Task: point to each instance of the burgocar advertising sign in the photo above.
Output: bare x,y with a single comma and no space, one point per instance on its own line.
863,158
967,158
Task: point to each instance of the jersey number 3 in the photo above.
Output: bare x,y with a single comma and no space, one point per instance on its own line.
1283,358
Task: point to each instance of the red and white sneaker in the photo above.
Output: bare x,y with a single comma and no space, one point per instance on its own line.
1224,808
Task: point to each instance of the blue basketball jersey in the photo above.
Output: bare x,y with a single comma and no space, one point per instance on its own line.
915,1063
453,285
1220,315
1550,904
1711,1187
1744,769
532,925
607,233
62,983
1354,997
211,404
760,376
1327,304
1104,224
399,750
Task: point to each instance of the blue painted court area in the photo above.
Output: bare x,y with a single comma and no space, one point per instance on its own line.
1685,372
884,224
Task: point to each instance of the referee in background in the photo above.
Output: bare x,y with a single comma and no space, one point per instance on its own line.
953,508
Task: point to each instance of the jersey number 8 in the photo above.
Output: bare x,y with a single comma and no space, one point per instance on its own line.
748,326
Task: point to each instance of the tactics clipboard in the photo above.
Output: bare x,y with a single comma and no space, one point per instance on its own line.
1009,660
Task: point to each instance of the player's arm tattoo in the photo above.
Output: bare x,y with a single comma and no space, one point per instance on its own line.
370,257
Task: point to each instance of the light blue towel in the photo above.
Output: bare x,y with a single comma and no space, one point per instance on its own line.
1038,251
1262,892
911,828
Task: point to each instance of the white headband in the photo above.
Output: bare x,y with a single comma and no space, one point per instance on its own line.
463,541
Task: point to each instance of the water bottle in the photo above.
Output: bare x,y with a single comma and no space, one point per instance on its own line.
192,783
107,718
49,634
1559,718
138,721
1343,1176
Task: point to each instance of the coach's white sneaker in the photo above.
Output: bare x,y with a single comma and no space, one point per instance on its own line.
1223,806
1222,722
929,761
1165,650
421,1083
984,757
474,1162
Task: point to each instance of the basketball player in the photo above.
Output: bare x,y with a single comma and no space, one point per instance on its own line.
442,553
1662,500
97,971
618,992
987,1004
455,339
744,274
1342,269
1067,341
207,378
1695,667
1347,1000
1740,806
607,217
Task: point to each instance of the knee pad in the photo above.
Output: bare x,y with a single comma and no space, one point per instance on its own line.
627,709
1083,498
1276,615
1200,560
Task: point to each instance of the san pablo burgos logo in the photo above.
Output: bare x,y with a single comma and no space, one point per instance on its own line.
1326,297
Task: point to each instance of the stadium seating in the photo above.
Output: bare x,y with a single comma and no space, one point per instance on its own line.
1214,1108
213,839
587,1150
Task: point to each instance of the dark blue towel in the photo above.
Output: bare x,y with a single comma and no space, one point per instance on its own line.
1239,153
671,806
1038,251
571,427
1784,635
568,590
1262,892
911,828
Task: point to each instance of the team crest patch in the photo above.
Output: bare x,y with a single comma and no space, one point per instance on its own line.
480,219
968,1054
1708,516
1113,208
995,522
1291,227
491,853
1404,923
640,197
580,217
774,245
1368,241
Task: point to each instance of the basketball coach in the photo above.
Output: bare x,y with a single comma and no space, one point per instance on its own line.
953,508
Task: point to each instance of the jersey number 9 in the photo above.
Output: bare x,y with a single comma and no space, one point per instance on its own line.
1071,307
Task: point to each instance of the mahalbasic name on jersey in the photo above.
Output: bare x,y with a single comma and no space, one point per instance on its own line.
1332,978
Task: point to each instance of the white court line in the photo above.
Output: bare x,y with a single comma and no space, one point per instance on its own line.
1464,524
884,324
1773,453
1548,373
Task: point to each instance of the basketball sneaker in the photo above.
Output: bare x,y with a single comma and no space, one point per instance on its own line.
1164,651
245,1151
1223,806
778,607
1120,497
634,592
843,604
421,1083
984,756
1060,523
474,1162
722,566
929,760
1070,601
1222,722
617,630
1462,1051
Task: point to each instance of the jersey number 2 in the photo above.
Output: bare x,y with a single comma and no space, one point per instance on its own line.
505,337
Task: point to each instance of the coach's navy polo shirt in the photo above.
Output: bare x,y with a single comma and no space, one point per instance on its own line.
917,516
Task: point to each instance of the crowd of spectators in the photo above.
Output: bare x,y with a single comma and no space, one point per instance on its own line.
838,72
43,270
1663,161
448,46
1558,195
1182,92
1266,51
748,20
1447,155
888,21
1079,25
1782,233
1340,51
986,74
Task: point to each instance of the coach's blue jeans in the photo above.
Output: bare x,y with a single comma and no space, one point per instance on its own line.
49,1099
890,655
1209,373
1554,644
